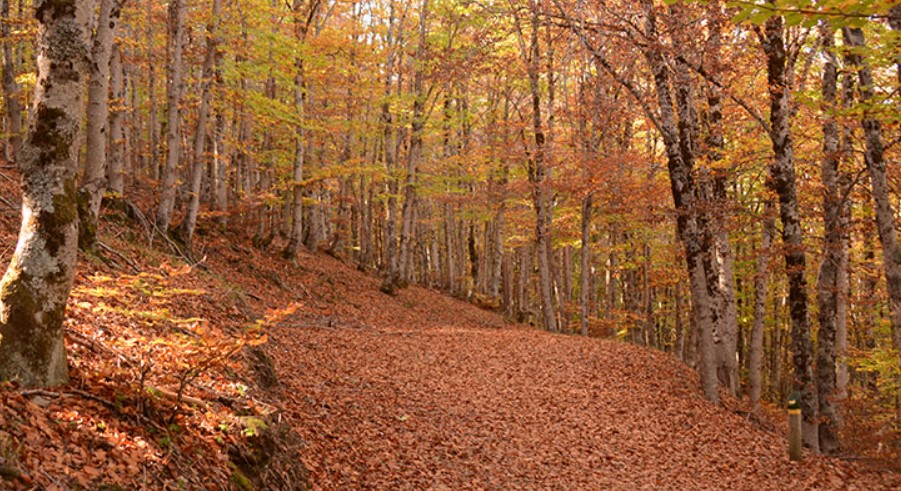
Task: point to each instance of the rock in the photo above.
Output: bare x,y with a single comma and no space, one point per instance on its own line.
41,401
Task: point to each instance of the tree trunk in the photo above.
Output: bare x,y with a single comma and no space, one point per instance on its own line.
153,152
414,155
35,288
537,174
93,182
10,86
782,181
115,173
842,282
876,165
827,280
210,59
295,237
585,257
680,161
177,12
755,357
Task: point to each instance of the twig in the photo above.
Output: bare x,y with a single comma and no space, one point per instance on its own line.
39,392
87,395
177,250
172,396
120,255
97,346
10,204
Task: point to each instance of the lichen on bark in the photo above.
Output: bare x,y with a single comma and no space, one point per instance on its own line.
35,288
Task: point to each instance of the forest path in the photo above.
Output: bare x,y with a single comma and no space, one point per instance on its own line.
426,392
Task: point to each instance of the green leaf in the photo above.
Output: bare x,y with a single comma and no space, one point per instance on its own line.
793,18
760,16
741,15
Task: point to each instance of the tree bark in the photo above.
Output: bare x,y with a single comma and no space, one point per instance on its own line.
417,124
199,164
93,182
153,152
35,288
585,257
782,181
680,161
827,280
10,86
176,68
115,173
755,356
301,26
537,175
876,165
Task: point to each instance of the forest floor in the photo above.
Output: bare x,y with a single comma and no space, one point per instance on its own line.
426,392
245,371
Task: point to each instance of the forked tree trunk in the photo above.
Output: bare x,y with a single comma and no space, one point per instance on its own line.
35,288
680,161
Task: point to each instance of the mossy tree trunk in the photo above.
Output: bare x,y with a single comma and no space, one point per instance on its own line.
36,285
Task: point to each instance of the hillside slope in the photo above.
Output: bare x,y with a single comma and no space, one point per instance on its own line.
173,387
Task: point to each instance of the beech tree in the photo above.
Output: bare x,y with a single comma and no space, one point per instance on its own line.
35,288
876,166
10,86
93,182
176,72
780,67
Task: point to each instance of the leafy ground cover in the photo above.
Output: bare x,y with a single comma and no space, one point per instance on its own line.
247,372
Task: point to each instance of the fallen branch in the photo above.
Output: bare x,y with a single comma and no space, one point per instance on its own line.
118,254
87,395
98,347
172,396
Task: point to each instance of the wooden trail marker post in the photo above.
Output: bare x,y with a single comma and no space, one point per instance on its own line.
794,427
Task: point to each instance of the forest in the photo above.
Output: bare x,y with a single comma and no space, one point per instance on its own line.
716,180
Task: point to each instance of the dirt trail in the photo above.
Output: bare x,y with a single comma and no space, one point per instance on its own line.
425,392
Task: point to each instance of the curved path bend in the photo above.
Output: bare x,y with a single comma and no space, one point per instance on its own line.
450,400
